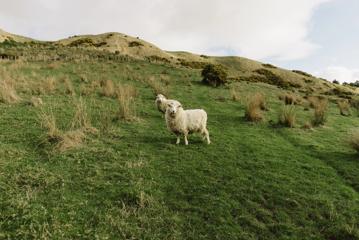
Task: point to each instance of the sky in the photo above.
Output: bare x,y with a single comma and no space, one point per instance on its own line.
317,36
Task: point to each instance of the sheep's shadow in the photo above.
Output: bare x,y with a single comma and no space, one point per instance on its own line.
171,139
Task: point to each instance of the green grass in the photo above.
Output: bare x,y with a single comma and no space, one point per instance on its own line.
130,181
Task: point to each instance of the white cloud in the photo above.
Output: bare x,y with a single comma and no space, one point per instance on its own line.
342,74
253,28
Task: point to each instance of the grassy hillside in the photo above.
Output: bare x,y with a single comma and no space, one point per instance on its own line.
121,176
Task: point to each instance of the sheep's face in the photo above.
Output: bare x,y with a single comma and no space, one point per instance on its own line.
160,98
172,108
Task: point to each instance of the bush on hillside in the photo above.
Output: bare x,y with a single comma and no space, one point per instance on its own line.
287,116
302,73
214,75
135,44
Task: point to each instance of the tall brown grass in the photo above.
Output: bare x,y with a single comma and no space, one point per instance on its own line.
344,107
253,106
108,88
69,88
290,99
234,94
81,119
35,101
69,139
287,116
49,84
8,92
157,86
126,95
320,109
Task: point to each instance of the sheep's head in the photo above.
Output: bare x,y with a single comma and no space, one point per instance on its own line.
173,107
160,98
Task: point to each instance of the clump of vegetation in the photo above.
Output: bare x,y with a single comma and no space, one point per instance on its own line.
155,58
354,140
193,64
234,94
108,88
35,101
126,95
82,42
214,75
8,93
354,103
269,77
49,84
253,107
72,138
135,44
290,99
307,126
344,107
339,91
320,109
69,87
267,65
302,73
287,116
158,86
336,81
81,120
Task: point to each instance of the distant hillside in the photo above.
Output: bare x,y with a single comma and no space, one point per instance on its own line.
238,68
9,36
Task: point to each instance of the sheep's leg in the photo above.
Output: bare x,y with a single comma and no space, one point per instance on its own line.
178,139
207,136
185,138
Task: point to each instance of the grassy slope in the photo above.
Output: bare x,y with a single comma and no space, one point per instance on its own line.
256,181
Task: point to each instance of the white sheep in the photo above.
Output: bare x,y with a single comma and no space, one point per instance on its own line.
180,121
162,102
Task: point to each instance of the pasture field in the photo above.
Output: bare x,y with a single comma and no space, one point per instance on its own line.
126,179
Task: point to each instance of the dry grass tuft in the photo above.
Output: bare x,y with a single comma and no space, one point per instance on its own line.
7,92
307,126
81,119
290,99
73,138
126,95
69,88
69,140
234,94
287,116
320,109
157,86
48,122
354,140
253,106
344,107
49,84
35,101
108,88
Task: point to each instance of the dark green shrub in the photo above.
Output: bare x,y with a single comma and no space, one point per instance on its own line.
267,65
269,77
135,44
193,64
81,41
214,75
302,73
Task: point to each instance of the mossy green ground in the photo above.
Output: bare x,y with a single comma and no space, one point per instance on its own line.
130,181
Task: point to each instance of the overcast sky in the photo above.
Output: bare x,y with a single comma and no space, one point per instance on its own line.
318,36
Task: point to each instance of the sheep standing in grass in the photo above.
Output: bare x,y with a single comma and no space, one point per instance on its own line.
162,102
184,122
